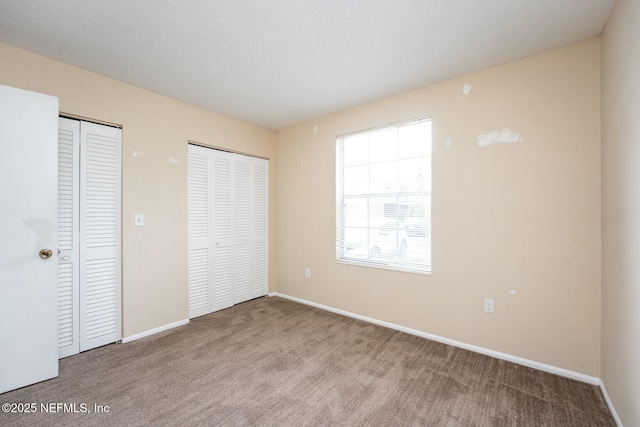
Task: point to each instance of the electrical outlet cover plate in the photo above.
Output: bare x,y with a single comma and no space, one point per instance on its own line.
488,305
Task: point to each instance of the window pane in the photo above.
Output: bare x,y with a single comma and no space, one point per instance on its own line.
384,177
383,145
356,150
418,229
355,243
390,243
418,252
356,212
356,180
381,210
383,242
417,223
415,140
415,175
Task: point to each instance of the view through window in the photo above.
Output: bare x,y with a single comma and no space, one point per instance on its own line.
383,180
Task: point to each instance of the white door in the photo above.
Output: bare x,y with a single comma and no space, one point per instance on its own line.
28,283
100,243
68,237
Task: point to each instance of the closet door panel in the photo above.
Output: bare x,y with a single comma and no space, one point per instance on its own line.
241,273
221,287
100,183
68,231
260,224
199,276
222,219
242,229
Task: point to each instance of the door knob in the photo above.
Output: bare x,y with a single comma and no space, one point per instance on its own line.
45,253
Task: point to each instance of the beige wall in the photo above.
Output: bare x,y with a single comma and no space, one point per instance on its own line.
621,209
154,256
522,217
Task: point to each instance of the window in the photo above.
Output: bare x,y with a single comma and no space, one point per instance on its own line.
383,191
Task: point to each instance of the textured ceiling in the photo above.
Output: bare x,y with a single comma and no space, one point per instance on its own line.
280,62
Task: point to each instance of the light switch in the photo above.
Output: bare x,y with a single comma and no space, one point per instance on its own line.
139,220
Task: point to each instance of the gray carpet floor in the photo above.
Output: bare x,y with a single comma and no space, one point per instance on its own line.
273,362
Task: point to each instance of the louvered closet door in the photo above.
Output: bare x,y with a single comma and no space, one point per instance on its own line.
222,216
199,235
228,229
260,226
242,229
68,227
100,148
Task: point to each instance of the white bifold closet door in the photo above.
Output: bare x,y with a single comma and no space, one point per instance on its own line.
228,229
89,194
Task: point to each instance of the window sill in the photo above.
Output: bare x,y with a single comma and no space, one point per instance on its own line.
382,266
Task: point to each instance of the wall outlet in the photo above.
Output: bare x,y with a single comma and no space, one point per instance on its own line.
488,305
307,273
138,220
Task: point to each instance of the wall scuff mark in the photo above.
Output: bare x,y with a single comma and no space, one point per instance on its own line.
502,136
172,160
447,143
137,153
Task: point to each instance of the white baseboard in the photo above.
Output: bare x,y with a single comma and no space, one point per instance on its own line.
493,353
616,418
155,330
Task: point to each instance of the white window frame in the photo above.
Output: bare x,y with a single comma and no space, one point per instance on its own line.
420,260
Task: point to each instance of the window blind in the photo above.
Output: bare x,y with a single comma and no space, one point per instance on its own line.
383,197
